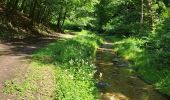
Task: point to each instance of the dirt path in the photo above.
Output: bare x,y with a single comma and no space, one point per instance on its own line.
115,81
13,59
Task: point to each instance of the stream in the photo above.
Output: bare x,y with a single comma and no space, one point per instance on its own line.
115,81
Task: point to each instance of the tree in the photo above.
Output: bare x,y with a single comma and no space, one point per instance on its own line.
142,16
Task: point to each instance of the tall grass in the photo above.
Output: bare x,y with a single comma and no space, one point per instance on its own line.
147,62
73,61
65,66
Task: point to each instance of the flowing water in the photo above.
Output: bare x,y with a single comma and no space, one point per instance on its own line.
115,81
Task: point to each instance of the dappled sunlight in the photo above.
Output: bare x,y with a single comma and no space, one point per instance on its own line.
105,64
105,49
117,82
113,96
14,58
67,36
102,49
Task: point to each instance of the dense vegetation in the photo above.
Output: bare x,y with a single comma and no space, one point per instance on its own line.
141,29
72,64
73,59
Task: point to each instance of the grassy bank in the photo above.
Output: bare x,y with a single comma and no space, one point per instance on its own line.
72,61
145,59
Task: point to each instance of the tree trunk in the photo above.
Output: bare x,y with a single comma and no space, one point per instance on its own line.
32,11
59,23
64,18
150,14
142,17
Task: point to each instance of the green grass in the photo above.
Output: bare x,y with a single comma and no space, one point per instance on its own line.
71,62
147,62
38,83
73,59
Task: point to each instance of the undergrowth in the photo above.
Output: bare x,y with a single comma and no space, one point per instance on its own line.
73,61
70,61
148,59
63,70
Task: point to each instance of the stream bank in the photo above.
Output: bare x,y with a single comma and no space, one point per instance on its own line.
115,80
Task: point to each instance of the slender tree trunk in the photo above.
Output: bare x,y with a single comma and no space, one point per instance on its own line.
59,24
32,11
142,16
64,18
150,14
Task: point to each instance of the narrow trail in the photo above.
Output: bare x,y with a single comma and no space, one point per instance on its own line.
116,83
14,59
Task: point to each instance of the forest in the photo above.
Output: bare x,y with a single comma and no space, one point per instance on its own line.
84,49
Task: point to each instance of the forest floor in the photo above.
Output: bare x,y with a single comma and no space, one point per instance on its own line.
116,82
14,59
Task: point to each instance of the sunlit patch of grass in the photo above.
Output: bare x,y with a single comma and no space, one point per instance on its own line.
129,47
38,83
75,83
163,84
73,60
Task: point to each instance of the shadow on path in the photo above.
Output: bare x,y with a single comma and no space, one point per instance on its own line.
14,58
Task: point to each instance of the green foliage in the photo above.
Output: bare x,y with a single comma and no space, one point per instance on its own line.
76,82
129,47
147,62
158,42
82,17
62,70
118,16
81,47
149,55
73,26
73,59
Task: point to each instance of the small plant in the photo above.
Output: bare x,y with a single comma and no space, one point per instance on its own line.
73,59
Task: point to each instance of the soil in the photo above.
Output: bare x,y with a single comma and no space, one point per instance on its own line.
14,58
115,80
